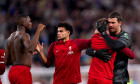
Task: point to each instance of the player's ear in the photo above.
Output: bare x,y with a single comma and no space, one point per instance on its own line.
21,22
68,32
120,23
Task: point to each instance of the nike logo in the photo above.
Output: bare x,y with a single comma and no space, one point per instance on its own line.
57,50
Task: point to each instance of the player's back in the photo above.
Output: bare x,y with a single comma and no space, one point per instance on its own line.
98,68
22,55
10,44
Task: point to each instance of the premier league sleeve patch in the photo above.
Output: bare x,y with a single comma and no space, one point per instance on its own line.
125,35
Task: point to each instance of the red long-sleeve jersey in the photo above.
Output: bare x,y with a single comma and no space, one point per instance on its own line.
2,65
100,69
67,60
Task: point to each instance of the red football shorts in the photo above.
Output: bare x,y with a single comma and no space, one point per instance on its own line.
20,74
99,81
64,83
61,82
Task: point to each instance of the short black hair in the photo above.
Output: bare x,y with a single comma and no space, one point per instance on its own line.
115,15
19,18
66,26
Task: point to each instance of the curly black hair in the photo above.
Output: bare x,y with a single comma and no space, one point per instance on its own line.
66,26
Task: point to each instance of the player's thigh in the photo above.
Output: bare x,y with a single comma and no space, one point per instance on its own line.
24,78
28,77
104,81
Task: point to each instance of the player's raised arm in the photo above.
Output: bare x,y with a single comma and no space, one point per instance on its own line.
31,45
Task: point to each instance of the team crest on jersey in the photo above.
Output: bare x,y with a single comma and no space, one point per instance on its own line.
70,51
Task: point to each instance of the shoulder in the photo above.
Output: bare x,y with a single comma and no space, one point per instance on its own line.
124,34
125,38
76,40
24,34
2,50
56,42
53,44
79,41
10,38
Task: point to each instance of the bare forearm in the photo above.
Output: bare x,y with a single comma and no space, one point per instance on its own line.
32,45
44,59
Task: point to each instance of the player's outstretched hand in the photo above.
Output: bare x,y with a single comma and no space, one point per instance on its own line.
39,47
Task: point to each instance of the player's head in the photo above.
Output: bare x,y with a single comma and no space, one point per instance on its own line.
114,22
24,20
64,30
103,22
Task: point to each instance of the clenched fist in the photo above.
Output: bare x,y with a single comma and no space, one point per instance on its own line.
41,27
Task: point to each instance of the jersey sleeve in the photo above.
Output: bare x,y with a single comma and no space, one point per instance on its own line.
125,38
128,52
2,65
113,44
50,56
83,43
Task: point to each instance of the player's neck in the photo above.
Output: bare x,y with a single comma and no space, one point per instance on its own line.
119,30
21,29
66,39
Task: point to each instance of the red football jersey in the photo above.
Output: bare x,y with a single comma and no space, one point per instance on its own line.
98,68
67,60
2,65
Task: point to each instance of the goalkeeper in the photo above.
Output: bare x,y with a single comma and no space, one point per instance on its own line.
101,71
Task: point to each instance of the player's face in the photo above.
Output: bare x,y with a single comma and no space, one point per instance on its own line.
27,23
113,25
62,33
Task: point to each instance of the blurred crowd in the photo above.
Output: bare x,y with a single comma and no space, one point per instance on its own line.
82,14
